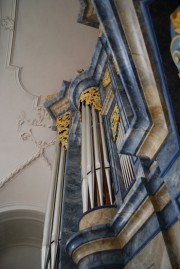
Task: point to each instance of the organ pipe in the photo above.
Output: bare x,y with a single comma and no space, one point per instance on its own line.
97,155
57,210
105,158
90,168
49,211
83,161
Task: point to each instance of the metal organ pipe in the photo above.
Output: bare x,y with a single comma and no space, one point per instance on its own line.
97,155
57,210
89,168
84,161
49,211
105,158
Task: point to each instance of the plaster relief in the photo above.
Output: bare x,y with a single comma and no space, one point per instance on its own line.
33,129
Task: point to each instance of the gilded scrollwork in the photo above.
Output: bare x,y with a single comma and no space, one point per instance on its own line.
91,97
106,79
175,20
175,43
115,119
62,125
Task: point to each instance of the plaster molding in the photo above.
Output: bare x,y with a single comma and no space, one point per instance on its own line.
8,24
40,120
7,208
28,242
18,169
25,129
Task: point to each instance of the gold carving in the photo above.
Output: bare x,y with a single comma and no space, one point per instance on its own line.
175,52
106,79
62,125
115,119
175,19
91,97
50,96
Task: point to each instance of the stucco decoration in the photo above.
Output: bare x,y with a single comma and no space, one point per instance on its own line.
27,129
7,23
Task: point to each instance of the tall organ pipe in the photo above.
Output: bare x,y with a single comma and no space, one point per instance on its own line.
89,168
105,158
97,155
49,211
84,161
57,210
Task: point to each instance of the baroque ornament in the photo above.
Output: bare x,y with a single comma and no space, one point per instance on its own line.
62,125
91,97
175,33
106,79
26,128
115,119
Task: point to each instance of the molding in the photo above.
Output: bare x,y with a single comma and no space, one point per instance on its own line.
113,33
8,23
28,242
8,208
18,169
118,237
159,130
107,102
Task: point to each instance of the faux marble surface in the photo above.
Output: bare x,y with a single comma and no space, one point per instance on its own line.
72,204
153,256
113,33
97,217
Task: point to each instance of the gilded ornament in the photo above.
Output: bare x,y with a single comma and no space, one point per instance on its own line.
106,79
175,20
115,119
62,125
175,43
50,96
91,97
